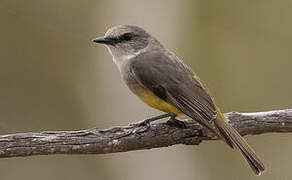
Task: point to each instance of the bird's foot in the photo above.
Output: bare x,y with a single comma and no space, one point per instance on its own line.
147,122
177,123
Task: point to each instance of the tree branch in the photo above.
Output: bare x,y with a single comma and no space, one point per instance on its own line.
127,138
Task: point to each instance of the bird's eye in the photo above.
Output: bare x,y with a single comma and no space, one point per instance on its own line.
127,36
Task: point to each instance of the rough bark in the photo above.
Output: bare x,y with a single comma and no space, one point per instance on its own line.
127,138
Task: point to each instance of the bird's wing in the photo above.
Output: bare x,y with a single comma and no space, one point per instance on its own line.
174,82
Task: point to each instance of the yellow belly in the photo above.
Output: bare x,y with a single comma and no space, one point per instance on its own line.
154,101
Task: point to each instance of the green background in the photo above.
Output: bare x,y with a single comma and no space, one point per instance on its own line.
53,78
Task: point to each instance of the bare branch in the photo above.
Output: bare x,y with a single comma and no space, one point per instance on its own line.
127,138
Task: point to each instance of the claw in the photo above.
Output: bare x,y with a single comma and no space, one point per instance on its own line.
140,123
177,123
147,122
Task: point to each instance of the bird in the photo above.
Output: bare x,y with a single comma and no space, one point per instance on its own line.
163,81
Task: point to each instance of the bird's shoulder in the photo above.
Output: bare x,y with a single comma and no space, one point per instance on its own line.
163,63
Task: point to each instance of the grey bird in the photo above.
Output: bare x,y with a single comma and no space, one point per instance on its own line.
163,81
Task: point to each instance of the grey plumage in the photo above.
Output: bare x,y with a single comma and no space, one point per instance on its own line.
146,64
172,81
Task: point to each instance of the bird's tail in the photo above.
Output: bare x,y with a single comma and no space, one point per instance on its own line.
234,139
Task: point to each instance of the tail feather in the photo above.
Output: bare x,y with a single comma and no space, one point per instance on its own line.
233,138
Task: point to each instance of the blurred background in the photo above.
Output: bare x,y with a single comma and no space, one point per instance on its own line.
53,78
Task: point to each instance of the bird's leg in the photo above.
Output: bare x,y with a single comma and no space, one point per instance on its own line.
149,120
172,121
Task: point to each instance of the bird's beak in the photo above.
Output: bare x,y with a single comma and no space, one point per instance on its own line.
101,40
